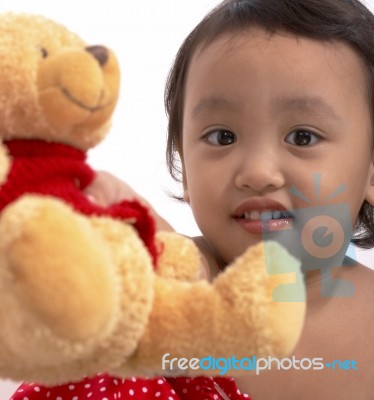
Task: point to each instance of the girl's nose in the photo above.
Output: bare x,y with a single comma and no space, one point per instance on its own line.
260,171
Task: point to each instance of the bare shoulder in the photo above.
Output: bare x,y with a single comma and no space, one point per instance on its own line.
361,304
363,279
360,315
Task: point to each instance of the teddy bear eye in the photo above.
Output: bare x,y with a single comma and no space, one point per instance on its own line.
44,52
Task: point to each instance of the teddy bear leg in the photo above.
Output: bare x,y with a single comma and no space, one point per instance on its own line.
61,296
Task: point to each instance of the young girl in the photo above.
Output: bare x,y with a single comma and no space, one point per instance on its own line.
265,96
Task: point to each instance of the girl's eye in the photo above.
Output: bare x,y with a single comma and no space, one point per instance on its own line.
220,138
301,137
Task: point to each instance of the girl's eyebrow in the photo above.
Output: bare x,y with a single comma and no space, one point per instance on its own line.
310,104
214,103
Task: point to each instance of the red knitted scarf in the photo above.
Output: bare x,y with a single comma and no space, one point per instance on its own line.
59,170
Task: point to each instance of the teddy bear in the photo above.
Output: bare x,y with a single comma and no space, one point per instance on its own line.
85,288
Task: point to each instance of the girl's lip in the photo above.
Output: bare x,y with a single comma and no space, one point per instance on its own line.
265,226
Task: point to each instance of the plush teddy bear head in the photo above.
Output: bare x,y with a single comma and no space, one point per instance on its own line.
53,86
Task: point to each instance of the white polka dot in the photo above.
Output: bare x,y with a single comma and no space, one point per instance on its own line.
131,392
48,394
238,391
197,387
75,398
215,397
246,396
133,379
119,395
87,385
59,398
104,398
188,380
184,390
71,387
160,381
171,398
37,389
115,381
89,394
20,390
103,389
101,380
157,394
144,390
172,391
25,398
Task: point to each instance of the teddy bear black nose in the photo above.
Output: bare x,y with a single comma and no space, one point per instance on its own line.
100,53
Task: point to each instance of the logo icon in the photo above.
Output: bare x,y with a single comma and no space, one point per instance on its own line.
319,237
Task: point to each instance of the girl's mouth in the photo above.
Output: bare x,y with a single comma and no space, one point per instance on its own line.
260,222
259,215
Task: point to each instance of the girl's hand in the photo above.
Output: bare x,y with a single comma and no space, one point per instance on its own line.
107,189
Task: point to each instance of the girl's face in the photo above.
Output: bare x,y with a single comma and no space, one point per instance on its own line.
265,114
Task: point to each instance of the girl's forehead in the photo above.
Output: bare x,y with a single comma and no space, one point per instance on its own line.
261,49
262,41
271,74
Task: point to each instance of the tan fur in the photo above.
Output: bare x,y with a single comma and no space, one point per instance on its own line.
79,295
4,163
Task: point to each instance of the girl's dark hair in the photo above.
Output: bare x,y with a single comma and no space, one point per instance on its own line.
326,20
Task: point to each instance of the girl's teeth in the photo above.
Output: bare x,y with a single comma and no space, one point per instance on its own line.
266,215
253,215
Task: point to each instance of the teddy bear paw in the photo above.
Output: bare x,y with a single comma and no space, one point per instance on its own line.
266,291
51,270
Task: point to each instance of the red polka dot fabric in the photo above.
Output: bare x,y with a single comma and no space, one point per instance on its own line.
105,387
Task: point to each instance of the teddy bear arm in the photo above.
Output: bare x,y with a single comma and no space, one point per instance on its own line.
234,316
179,257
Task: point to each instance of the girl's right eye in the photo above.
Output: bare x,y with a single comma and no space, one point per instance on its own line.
220,138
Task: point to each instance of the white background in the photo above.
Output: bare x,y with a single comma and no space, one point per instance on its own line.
145,36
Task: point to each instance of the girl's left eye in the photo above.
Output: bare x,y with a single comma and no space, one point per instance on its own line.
302,137
220,137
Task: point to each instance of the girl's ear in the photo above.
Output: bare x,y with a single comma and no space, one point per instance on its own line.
370,191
